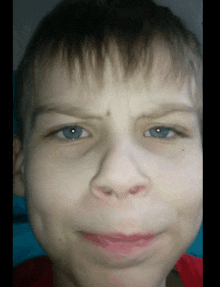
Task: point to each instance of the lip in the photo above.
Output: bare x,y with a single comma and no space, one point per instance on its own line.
119,243
115,237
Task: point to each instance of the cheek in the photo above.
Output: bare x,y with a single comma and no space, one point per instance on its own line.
181,186
182,190
46,182
56,184
52,201
173,153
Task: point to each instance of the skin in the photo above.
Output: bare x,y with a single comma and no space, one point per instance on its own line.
61,179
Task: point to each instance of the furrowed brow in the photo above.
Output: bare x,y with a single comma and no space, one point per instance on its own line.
161,111
169,108
65,110
70,111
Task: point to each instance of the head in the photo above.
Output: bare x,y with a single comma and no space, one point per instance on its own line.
109,110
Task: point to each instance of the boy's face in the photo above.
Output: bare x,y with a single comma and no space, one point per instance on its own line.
113,148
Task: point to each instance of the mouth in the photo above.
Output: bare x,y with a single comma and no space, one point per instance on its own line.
115,237
119,243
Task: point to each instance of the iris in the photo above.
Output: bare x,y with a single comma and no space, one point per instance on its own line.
160,132
71,133
76,132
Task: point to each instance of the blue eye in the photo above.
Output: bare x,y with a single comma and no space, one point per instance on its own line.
72,133
161,132
76,132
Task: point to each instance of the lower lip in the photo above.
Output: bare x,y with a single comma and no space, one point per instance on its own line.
118,244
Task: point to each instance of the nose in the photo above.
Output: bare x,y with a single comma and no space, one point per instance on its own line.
120,176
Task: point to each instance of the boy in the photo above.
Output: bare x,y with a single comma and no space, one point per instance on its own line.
109,149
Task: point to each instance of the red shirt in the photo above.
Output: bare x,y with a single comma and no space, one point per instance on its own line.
37,272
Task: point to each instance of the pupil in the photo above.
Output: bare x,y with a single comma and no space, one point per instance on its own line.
159,132
72,132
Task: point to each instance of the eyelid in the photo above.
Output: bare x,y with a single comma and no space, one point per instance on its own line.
59,128
179,132
82,135
168,137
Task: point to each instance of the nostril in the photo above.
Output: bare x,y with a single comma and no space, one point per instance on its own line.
105,190
119,192
137,189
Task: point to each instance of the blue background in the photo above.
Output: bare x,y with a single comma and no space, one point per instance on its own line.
25,245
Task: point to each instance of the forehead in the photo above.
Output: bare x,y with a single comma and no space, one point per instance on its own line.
137,93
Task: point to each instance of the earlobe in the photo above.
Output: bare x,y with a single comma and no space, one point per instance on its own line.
18,168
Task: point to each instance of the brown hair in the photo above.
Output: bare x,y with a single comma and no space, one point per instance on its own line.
85,28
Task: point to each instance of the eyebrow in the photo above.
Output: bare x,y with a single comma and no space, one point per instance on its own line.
161,111
62,109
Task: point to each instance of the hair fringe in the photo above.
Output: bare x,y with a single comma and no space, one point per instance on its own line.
83,31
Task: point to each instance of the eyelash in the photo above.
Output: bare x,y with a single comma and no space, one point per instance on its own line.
177,133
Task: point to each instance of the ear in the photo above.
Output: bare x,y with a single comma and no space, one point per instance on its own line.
18,168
